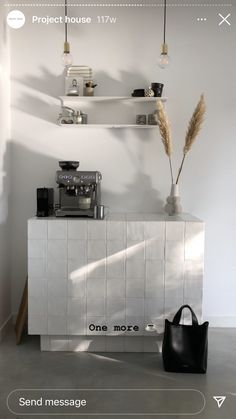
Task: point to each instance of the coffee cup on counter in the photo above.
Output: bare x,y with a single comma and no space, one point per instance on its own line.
99,212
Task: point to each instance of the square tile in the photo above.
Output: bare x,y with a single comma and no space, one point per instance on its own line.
37,306
114,344
151,344
133,344
95,325
96,249
77,270
115,268
57,249
77,307
97,230
77,287
174,287
115,308
155,249
57,306
174,250
57,287
57,325
154,230
45,343
57,229
37,249
154,309
135,287
193,281
115,288
96,269
155,271
36,268
175,230
135,230
37,229
79,343
95,307
77,249
116,230
194,241
97,344
135,269
96,288
37,325
76,325
116,325
37,288
56,268
116,249
77,229
154,284
58,343
134,307
135,250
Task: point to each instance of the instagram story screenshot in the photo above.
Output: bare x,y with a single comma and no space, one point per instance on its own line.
117,209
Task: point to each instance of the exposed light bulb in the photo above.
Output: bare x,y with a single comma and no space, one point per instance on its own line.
164,59
66,58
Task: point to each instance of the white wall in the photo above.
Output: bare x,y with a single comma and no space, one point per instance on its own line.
5,283
135,171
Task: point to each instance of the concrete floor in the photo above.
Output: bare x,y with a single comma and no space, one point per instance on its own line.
25,366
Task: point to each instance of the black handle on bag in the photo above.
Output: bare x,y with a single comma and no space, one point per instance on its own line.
177,317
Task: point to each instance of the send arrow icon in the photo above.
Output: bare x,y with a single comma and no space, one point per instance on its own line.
219,400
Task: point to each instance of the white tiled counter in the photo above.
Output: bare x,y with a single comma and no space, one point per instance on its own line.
128,270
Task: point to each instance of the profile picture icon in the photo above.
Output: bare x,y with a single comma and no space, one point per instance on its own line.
15,19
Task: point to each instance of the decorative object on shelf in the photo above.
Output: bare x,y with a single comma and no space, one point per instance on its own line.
138,93
152,118
157,88
89,88
173,201
141,119
81,118
149,92
185,347
80,70
73,89
66,116
66,56
164,59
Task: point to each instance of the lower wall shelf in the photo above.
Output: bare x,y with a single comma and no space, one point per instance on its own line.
107,126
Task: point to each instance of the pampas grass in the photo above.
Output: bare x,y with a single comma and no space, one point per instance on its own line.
165,132
194,127
193,130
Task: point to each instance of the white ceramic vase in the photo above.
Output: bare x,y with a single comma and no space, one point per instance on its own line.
173,206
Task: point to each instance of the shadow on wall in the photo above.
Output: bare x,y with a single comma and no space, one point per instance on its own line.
29,171
43,101
5,287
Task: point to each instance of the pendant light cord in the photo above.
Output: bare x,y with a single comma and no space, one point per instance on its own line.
164,21
66,28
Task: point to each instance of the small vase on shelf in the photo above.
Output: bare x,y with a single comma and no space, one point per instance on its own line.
173,206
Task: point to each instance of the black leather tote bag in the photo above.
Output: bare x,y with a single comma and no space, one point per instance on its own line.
185,346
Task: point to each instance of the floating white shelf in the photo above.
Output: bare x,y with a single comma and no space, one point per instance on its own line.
107,126
92,99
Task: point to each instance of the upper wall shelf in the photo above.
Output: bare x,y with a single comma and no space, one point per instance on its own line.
76,99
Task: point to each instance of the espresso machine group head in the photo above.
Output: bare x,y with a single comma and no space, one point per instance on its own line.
79,192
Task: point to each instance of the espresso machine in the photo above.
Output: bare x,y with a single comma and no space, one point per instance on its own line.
79,192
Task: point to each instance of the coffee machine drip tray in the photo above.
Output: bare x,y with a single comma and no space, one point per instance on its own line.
75,213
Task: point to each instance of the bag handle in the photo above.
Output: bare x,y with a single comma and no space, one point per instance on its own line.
177,317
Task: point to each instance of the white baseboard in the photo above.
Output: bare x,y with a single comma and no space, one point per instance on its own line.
7,325
219,321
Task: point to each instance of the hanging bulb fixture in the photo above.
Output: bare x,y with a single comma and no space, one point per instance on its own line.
164,59
66,56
